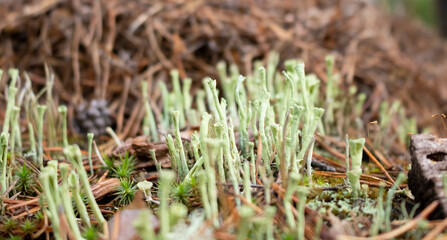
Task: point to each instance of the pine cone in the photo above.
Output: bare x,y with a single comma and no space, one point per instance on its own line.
93,117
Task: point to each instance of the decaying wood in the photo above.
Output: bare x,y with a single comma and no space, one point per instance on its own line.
105,187
140,147
429,164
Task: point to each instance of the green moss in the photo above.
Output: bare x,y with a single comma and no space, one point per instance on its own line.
25,180
91,233
126,192
28,227
181,192
8,225
123,168
13,237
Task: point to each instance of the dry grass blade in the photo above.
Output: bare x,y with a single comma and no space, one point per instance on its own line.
23,204
378,164
27,212
436,231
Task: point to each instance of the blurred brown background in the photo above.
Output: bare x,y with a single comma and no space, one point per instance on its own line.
104,48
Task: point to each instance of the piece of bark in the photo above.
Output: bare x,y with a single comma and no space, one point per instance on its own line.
425,179
140,148
103,188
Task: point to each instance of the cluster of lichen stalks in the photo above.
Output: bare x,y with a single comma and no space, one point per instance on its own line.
55,197
275,116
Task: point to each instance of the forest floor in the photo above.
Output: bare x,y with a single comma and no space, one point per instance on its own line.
133,77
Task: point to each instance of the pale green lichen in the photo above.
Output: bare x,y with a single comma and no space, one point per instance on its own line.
356,151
